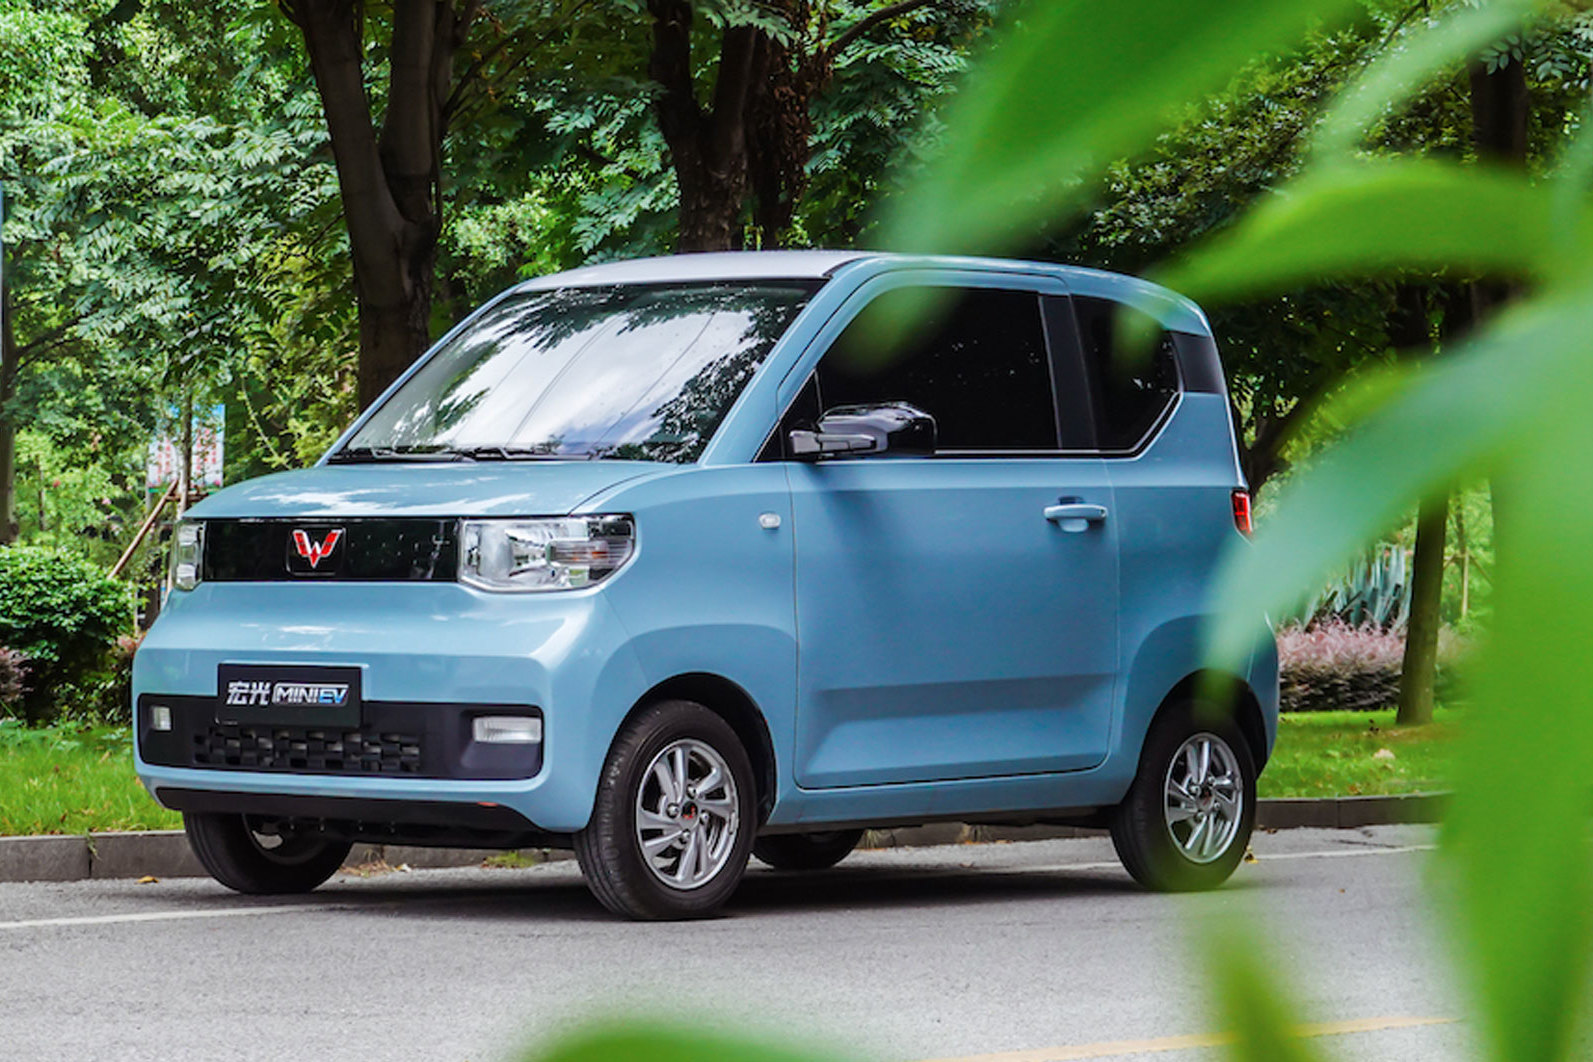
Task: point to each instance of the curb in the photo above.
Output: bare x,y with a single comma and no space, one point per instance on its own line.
165,853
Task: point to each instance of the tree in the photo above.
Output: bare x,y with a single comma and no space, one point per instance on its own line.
390,176
1501,110
755,138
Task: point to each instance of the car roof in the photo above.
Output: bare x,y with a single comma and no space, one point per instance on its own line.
1173,309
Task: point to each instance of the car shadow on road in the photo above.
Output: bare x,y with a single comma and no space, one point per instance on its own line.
539,897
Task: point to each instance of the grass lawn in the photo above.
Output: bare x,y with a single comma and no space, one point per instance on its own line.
1321,754
73,780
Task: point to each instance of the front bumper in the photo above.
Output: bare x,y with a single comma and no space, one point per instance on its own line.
389,739
431,656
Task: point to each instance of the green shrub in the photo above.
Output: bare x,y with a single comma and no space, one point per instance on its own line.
112,698
63,614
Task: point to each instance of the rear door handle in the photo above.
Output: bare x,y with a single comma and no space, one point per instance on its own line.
1075,513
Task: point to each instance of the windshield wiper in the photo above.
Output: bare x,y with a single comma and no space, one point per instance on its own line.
359,454
351,455
518,453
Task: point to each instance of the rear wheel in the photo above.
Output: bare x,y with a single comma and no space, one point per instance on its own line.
258,858
1187,818
806,851
674,817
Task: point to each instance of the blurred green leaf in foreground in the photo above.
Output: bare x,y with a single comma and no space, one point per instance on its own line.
1510,406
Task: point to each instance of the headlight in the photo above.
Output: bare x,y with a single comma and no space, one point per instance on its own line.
563,553
187,554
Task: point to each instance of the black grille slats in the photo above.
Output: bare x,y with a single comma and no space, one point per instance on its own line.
307,750
419,549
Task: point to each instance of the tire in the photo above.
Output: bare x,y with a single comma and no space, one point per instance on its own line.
258,864
806,851
652,851
1173,843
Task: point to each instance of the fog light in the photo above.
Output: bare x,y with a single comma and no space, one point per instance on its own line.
159,717
507,729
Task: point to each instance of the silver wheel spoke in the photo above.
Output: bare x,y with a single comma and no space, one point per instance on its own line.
652,820
719,809
713,780
687,870
666,784
1214,838
1181,813
677,761
1195,835
660,843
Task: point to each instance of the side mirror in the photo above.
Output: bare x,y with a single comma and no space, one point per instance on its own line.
893,427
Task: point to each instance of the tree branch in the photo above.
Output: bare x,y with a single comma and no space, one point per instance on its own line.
872,19
48,340
591,154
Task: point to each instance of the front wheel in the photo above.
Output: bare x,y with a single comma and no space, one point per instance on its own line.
258,858
1187,819
675,813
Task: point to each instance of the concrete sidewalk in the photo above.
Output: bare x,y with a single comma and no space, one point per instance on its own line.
165,853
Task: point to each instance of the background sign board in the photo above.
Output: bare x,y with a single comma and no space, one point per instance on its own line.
165,453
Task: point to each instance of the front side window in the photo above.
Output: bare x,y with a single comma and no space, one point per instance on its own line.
643,372
976,361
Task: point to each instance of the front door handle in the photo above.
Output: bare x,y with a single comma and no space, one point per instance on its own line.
1075,516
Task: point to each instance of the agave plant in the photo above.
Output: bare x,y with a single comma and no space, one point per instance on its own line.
1373,592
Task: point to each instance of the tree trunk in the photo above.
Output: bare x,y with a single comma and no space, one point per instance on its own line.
1500,109
390,183
8,432
1410,331
708,148
1420,666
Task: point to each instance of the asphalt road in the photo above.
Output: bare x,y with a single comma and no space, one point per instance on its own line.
899,955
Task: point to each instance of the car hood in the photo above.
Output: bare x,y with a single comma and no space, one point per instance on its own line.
463,488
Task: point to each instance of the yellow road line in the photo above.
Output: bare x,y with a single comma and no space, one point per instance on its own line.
1118,1048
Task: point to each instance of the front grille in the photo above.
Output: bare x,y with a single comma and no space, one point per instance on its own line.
410,549
307,750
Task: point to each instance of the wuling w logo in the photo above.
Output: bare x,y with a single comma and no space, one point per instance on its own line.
316,552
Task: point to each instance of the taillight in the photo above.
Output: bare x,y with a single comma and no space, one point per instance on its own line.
1241,512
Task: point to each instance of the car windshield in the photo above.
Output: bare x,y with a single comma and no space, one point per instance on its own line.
638,372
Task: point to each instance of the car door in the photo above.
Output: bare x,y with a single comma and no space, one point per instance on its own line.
956,613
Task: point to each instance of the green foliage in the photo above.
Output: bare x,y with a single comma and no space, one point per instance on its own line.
63,614
72,779
657,1042
996,176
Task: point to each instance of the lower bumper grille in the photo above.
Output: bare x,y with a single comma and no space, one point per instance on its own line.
307,751
391,740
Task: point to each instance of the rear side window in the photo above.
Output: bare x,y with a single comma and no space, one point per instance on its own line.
1134,386
977,363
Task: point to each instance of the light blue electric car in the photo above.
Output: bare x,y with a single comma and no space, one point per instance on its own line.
683,560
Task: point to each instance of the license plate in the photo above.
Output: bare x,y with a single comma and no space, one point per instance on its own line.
287,695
